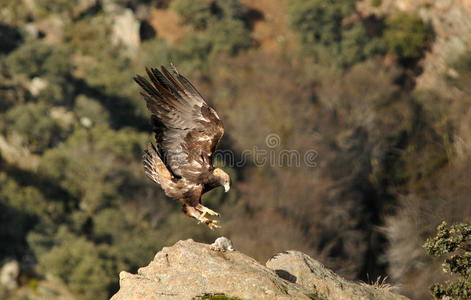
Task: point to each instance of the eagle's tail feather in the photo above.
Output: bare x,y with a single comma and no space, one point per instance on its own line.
154,167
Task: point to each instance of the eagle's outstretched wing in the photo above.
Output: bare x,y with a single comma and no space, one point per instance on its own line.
187,130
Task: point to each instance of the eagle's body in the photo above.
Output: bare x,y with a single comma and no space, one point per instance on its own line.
187,132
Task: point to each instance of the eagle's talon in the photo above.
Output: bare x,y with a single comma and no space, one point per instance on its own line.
212,225
204,210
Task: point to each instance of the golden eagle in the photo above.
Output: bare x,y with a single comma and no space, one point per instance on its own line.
187,132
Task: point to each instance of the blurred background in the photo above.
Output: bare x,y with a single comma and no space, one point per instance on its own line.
380,89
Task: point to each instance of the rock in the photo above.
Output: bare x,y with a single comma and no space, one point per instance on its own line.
125,28
9,274
451,23
36,85
299,268
191,270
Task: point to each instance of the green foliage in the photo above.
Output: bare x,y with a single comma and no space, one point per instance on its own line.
35,124
376,3
156,50
229,9
324,35
430,127
87,268
20,209
357,46
462,77
317,22
110,73
219,27
38,59
96,155
228,36
104,236
454,240
195,12
89,36
63,7
27,199
195,51
406,36
91,109
13,12
131,236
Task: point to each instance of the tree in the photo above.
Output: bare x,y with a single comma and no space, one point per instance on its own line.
324,34
195,12
406,36
35,124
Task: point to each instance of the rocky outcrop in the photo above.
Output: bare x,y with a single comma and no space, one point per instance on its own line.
125,27
191,270
450,21
9,274
299,268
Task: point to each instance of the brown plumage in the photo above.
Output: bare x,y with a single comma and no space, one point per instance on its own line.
187,132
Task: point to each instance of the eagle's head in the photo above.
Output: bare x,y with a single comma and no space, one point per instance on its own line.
222,178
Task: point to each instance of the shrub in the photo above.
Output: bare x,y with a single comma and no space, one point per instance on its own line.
91,109
229,36
357,46
229,9
63,7
87,268
316,22
220,29
195,12
462,77
20,209
376,3
203,13
406,36
454,240
34,123
37,59
324,35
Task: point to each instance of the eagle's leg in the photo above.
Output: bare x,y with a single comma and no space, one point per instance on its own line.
204,210
195,213
191,211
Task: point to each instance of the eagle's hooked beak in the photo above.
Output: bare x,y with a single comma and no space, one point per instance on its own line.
227,187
